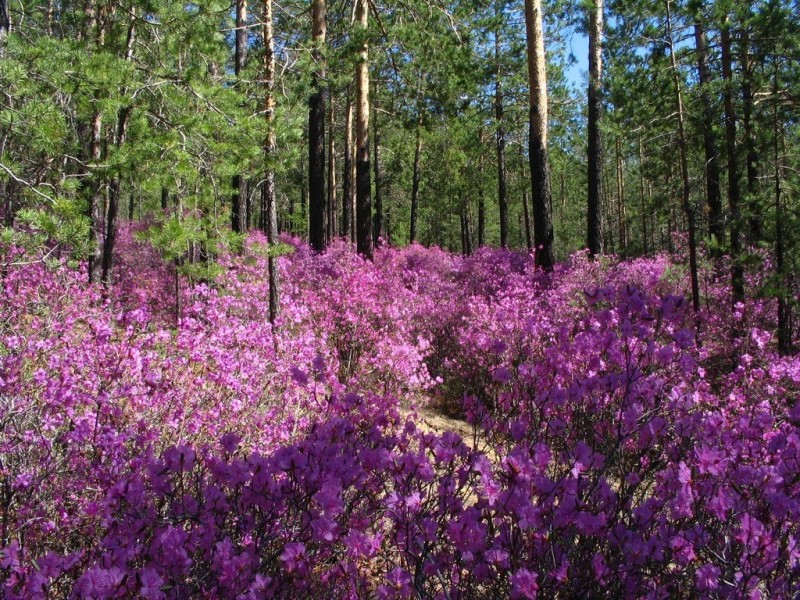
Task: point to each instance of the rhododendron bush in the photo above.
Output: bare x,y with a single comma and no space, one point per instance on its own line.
164,446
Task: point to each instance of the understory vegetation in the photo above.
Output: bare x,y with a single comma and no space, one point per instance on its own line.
161,439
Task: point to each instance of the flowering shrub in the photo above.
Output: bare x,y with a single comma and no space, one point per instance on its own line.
214,456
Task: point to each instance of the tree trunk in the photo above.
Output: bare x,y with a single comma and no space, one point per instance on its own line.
527,214
463,233
270,218
5,26
502,193
683,151
316,131
608,218
750,153
113,202
734,194
412,236
388,226
539,163
481,199
713,195
466,240
95,208
595,149
347,175
114,192
784,293
239,184
363,191
332,200
642,198
621,220
376,139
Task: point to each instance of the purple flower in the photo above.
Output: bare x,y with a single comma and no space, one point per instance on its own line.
400,580
524,584
501,375
300,377
230,442
318,364
293,558
707,577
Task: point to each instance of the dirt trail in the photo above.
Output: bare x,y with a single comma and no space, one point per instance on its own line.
429,418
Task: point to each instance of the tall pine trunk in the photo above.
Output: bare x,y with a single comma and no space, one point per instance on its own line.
114,192
734,192
239,183
412,236
502,192
683,151
537,142
481,198
270,219
713,195
750,152
526,212
348,217
363,184
113,202
95,208
376,139
316,131
784,291
642,199
595,190
622,232
332,200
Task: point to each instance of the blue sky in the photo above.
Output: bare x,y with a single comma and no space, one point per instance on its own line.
578,45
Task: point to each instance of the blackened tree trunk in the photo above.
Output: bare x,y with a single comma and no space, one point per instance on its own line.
316,131
595,149
239,183
537,142
734,192
270,218
713,194
412,236
363,184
